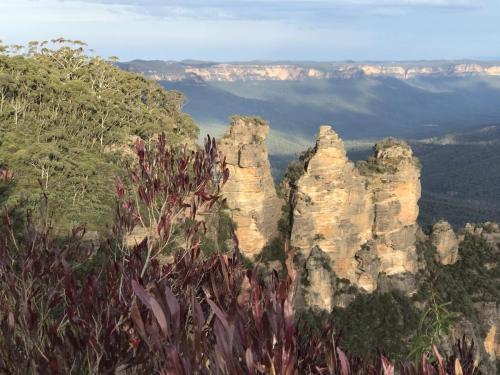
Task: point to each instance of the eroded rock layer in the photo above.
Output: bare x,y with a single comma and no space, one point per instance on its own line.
490,316
362,217
333,209
445,240
393,180
250,192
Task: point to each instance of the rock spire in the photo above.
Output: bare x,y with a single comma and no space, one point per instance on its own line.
250,192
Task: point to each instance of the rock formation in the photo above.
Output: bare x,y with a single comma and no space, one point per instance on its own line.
319,280
250,192
362,217
485,332
224,72
333,209
393,179
446,242
354,227
490,316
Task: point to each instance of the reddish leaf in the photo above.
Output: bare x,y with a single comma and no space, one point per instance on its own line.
344,363
174,308
219,313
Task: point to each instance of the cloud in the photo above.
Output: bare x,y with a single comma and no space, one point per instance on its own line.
261,29
236,3
280,9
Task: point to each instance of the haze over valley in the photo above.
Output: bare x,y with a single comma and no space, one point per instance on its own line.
448,110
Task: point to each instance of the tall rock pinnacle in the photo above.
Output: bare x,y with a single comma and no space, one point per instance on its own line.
362,218
394,181
250,192
333,209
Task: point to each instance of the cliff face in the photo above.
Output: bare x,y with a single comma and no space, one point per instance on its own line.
363,218
250,192
350,223
173,71
490,316
393,179
446,242
354,226
333,209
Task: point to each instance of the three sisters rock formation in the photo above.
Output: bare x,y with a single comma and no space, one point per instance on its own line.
349,222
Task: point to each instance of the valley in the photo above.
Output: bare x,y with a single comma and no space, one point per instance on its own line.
448,111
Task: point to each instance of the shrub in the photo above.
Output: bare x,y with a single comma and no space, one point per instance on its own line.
132,312
378,321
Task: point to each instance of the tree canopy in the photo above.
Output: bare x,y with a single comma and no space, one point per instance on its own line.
65,120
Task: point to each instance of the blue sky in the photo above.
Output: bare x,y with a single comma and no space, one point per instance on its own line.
229,30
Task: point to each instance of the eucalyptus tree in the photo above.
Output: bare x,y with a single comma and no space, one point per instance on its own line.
66,120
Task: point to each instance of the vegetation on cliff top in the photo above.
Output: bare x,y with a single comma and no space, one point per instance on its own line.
65,121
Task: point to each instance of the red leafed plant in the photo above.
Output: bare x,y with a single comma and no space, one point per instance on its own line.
66,307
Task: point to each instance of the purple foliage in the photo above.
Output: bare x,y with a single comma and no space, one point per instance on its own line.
67,308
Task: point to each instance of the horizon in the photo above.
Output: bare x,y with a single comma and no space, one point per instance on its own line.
282,30
490,60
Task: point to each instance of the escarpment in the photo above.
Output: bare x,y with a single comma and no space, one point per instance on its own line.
225,72
362,217
250,192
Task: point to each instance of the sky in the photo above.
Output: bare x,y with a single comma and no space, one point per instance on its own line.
242,30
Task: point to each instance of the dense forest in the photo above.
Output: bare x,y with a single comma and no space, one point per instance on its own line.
66,119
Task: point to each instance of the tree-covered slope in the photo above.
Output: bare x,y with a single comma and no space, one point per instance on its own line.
64,119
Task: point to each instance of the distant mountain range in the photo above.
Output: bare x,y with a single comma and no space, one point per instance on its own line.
188,70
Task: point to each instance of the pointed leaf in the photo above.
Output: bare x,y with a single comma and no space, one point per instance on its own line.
344,363
220,314
173,306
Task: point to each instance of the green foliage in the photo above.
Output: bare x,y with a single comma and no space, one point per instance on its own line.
435,323
255,119
386,321
370,166
460,181
275,250
297,168
219,233
66,120
474,277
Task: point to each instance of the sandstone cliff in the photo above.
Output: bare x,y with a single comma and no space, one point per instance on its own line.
490,316
250,192
446,242
362,217
393,180
333,210
174,71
